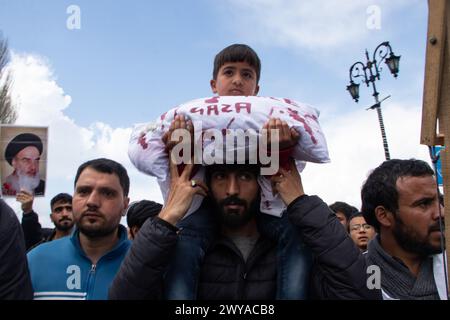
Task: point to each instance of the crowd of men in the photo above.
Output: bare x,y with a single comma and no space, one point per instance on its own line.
88,254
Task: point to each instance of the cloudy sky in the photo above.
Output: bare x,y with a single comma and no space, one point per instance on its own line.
91,77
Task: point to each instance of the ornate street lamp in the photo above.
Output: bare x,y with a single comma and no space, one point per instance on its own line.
368,73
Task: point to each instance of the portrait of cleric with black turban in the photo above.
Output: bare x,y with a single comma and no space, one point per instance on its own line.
24,155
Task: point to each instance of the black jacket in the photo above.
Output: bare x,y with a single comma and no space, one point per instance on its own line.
15,282
33,232
339,271
225,275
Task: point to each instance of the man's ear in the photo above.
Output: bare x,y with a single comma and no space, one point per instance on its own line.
256,90
130,235
133,231
126,202
384,217
213,85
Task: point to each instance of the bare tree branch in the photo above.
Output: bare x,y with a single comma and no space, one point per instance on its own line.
8,112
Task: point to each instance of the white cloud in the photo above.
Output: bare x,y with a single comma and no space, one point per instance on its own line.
320,25
355,145
41,102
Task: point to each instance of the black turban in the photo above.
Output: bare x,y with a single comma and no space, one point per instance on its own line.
140,211
19,143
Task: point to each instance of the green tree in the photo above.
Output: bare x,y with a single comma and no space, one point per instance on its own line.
7,110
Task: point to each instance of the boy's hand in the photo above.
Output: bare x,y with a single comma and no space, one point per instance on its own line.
287,137
187,141
181,193
288,184
179,122
26,199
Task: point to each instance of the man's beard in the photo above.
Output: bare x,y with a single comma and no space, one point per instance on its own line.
60,226
29,183
234,219
95,230
411,242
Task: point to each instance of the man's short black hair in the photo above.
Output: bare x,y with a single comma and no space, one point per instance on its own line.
60,197
343,207
237,53
380,188
139,212
355,215
104,165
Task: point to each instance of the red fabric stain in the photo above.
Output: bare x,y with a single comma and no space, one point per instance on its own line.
294,115
224,131
311,116
212,100
291,102
229,123
142,141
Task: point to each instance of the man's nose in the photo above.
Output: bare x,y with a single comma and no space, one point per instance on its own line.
438,210
232,186
93,200
33,168
66,212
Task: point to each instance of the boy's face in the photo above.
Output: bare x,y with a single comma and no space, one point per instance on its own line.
235,79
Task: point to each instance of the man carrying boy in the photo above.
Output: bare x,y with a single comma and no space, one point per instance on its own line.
237,243
236,72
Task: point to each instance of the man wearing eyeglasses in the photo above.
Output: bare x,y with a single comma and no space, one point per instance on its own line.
61,215
401,200
360,232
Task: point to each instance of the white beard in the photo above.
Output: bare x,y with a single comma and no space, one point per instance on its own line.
28,183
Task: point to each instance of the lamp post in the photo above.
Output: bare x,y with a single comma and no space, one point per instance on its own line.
369,73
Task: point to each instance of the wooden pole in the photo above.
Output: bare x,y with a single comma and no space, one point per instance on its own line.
444,126
436,98
433,68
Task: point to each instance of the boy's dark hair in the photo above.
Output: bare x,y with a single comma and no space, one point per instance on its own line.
237,53
60,197
380,188
104,165
139,212
343,207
